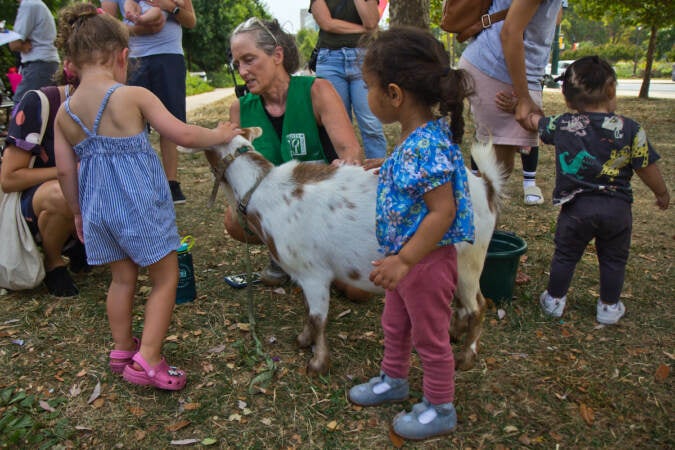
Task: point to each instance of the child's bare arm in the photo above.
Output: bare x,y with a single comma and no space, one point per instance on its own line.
651,176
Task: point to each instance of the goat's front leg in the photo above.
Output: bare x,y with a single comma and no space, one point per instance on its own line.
317,299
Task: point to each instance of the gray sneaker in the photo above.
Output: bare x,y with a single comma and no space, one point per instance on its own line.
379,390
273,275
552,306
609,314
425,421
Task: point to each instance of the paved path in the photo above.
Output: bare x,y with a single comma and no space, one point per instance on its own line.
197,101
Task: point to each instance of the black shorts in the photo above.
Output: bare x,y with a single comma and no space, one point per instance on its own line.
164,76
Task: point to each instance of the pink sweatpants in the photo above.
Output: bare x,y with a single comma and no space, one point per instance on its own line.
417,313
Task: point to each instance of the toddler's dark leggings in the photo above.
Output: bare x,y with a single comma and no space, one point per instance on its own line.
607,219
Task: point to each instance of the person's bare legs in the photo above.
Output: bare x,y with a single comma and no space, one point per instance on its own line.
169,153
55,222
505,157
120,302
159,308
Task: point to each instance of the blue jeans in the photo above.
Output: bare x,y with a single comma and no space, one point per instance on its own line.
343,69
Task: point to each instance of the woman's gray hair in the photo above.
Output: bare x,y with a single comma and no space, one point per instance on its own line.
269,35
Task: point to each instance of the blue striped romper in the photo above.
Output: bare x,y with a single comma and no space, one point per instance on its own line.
126,205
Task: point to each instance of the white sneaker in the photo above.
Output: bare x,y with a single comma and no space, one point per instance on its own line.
610,314
552,306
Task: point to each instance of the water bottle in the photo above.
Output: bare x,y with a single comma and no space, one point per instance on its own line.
186,291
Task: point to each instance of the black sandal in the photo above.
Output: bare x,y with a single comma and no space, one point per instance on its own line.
78,258
59,283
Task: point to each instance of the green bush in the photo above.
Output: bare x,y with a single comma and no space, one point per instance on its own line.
195,85
221,78
610,52
660,69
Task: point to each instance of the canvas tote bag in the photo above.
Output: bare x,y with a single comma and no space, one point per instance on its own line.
21,261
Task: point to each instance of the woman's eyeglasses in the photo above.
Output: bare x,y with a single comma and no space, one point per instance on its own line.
255,24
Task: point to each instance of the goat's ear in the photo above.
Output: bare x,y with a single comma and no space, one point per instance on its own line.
252,133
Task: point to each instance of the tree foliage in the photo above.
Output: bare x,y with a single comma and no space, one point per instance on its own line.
207,45
650,14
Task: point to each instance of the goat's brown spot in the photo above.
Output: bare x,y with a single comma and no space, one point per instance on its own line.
298,192
310,173
354,274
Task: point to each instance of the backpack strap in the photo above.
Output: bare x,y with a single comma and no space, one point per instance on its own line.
45,116
486,21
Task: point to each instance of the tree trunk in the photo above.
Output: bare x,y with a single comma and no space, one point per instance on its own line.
409,12
644,89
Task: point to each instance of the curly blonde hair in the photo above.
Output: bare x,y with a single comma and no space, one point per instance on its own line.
86,34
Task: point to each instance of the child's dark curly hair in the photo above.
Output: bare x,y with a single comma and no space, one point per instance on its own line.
88,35
416,61
585,82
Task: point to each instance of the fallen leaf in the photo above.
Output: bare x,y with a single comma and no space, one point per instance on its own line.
75,390
586,413
510,429
178,426
197,333
490,361
190,406
136,411
395,439
184,441
344,313
565,332
522,278
219,349
332,425
96,393
82,428
171,338
98,403
662,373
279,291
208,441
244,326
81,373
46,406
140,434
525,439
266,421
234,418
241,404
501,314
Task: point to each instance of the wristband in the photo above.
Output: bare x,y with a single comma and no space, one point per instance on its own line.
175,11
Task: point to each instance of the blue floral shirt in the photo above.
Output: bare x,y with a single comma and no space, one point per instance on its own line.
426,160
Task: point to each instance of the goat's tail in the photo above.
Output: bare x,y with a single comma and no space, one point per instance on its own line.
492,172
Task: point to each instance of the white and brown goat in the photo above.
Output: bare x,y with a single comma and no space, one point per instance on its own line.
318,222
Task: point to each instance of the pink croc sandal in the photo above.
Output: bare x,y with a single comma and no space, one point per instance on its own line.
119,359
162,376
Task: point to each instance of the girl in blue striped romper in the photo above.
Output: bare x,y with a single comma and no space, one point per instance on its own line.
115,185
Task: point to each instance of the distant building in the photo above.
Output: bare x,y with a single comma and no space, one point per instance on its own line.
307,20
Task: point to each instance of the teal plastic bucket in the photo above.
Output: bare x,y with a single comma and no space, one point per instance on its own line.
501,266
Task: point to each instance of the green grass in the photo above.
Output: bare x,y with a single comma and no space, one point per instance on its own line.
534,378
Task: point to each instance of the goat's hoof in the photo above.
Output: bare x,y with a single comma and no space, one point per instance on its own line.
317,367
304,340
465,361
